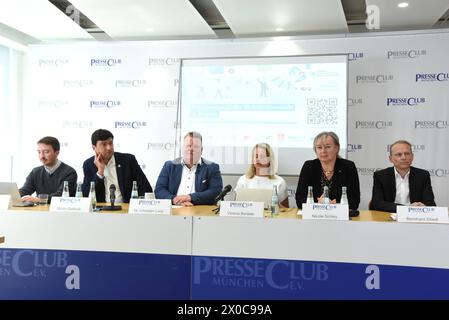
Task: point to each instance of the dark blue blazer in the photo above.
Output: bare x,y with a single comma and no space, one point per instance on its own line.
208,182
128,170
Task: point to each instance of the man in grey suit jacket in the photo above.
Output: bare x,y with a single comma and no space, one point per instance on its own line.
189,180
401,184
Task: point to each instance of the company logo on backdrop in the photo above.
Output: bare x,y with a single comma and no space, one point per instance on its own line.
406,54
53,103
129,124
354,147
415,147
367,171
53,62
405,101
77,83
105,62
439,172
352,56
433,124
352,102
257,273
130,83
430,77
373,124
162,103
104,103
163,61
374,78
77,124
160,145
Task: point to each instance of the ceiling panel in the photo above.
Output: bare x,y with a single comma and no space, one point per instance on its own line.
419,13
263,17
145,19
40,19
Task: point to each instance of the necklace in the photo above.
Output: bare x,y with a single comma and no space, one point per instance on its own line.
328,172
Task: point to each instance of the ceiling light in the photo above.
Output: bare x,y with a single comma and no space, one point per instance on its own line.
279,29
403,5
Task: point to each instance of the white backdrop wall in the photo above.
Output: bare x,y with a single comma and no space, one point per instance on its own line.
398,89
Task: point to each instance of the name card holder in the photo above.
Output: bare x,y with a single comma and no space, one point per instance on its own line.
69,204
150,206
318,211
422,214
246,209
5,202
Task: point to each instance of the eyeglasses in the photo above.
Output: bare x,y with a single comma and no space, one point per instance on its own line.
400,154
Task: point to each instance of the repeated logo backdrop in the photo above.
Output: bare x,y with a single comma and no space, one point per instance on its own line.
398,88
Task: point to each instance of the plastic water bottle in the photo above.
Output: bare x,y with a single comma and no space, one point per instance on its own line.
79,191
65,189
274,202
326,199
134,192
93,195
310,195
344,196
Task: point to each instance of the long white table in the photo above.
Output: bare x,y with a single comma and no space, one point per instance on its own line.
196,254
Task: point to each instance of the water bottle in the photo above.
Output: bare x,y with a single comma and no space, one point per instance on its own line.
93,195
79,191
274,202
310,195
326,199
65,189
344,196
134,192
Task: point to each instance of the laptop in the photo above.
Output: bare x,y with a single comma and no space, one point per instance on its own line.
256,195
10,188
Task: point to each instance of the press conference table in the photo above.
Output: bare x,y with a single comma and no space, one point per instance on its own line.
198,211
195,243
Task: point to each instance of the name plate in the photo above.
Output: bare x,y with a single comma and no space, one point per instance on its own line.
318,211
150,206
422,214
5,201
247,209
67,204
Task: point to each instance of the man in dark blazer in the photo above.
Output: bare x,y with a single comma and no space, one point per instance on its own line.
190,179
107,167
401,184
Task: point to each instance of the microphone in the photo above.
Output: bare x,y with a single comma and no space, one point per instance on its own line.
112,207
223,193
112,189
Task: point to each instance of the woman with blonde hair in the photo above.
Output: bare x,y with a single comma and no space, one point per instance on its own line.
262,171
328,170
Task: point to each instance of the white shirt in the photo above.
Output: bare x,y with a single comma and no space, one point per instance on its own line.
258,182
50,170
402,188
110,177
187,184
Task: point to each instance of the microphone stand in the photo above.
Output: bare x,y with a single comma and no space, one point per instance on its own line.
112,207
217,209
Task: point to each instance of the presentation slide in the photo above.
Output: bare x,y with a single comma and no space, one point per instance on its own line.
284,101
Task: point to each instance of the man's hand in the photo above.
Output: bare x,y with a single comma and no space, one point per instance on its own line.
418,204
99,162
30,199
179,200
